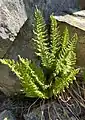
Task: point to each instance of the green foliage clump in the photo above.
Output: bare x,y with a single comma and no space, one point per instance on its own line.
58,58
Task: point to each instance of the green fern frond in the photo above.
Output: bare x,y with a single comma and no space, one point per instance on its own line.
29,80
14,66
41,38
63,82
65,38
67,55
73,42
55,39
71,56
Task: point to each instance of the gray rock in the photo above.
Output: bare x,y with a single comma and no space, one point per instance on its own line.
6,115
77,19
11,21
9,84
13,14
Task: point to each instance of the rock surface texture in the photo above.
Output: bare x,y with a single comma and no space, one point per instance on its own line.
15,39
12,17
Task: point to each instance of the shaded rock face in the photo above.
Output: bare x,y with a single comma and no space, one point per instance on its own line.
13,15
82,4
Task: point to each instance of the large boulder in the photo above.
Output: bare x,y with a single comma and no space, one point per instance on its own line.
13,15
11,21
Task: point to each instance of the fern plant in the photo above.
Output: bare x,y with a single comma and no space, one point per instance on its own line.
58,58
